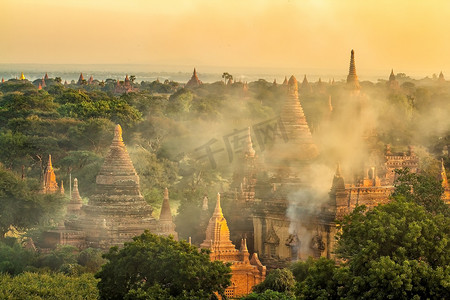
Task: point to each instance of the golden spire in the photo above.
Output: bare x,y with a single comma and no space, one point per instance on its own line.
22,77
443,175
352,78
49,164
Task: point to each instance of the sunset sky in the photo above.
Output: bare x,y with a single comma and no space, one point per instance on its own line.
410,36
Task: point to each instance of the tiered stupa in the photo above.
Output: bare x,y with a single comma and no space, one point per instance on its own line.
441,78
194,81
117,211
22,77
352,78
245,272
300,145
165,224
49,182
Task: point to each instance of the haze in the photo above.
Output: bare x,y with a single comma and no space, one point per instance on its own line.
409,36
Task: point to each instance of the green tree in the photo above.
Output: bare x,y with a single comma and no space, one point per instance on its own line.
395,251
278,280
422,189
153,264
268,295
315,278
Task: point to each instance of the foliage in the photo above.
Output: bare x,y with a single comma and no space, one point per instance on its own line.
422,189
268,295
153,264
278,280
14,259
315,278
397,250
48,286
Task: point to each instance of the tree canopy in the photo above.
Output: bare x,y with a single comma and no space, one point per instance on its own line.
155,267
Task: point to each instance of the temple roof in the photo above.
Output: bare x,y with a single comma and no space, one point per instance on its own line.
80,79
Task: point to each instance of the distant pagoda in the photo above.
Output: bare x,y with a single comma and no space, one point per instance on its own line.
352,78
194,81
80,79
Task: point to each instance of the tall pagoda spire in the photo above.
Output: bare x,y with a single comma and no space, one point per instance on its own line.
352,78
22,77
45,76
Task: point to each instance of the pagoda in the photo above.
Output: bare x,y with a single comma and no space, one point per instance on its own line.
80,79
352,78
22,77
194,81
165,224
117,211
245,272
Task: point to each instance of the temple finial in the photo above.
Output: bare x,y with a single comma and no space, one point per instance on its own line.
218,209
244,245
49,164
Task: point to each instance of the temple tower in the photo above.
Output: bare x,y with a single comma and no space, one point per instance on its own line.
46,76
49,184
441,78
445,185
22,77
117,211
245,272
352,78
165,224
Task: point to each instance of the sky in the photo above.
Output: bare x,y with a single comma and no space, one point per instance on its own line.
409,36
